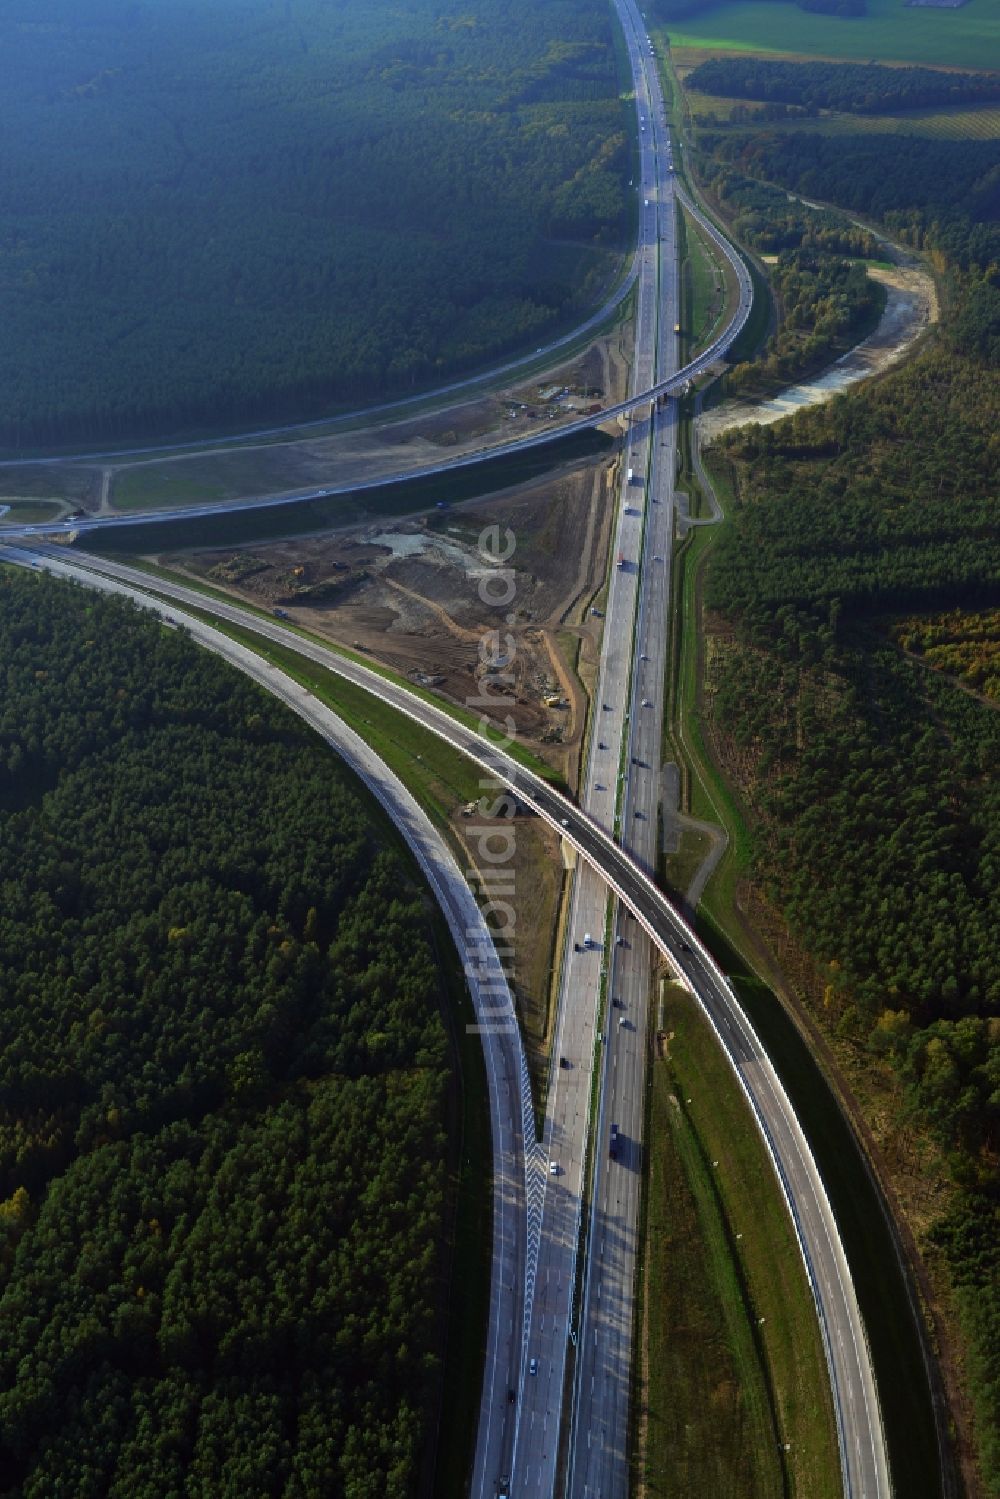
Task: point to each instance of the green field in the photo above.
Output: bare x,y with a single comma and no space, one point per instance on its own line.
30,512
891,32
148,488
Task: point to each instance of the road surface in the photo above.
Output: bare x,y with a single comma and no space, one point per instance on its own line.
642,397
855,1399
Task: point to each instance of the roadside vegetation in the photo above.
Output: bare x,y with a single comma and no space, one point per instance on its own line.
241,212
737,1397
958,123
845,721
229,1107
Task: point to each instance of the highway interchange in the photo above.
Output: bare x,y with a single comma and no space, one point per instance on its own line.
561,1324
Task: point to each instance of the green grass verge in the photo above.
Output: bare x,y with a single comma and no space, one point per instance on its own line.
726,1390
30,512
150,488
680,868
262,522
705,287
890,31
890,1319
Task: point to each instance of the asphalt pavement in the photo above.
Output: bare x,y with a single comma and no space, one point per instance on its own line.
852,1379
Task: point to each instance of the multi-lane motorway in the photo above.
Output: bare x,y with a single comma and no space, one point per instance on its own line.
855,1400
556,1313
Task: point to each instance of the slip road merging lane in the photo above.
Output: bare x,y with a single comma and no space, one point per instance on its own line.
859,1424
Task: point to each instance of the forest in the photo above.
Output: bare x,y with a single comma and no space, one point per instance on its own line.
224,214
826,298
864,542
939,195
224,1085
858,88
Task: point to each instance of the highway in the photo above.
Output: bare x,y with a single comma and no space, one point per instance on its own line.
863,1451
400,407
644,396
600,1407
561,1325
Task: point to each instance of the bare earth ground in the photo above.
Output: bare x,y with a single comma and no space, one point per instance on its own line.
265,469
411,593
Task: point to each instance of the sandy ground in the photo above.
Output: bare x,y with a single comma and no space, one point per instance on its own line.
412,593
911,306
259,470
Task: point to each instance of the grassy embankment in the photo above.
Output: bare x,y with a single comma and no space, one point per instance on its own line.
232,528
31,512
871,1249
881,1287
735,1364
889,32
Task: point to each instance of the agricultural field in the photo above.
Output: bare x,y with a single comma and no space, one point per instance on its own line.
968,37
981,123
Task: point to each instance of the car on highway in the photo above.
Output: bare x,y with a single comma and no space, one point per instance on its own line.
533,1366
647,702
553,1168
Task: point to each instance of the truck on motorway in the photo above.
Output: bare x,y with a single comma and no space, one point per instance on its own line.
614,1142
631,476
621,561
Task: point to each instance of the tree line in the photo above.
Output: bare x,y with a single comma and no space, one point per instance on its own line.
871,771
224,1085
857,88
230,213
827,301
